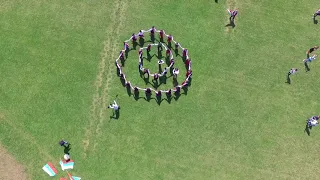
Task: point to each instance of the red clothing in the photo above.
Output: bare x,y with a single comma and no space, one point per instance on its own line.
187,62
161,33
169,38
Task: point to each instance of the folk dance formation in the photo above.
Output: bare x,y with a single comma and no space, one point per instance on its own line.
161,45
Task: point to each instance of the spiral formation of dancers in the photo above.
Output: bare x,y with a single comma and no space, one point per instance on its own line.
146,72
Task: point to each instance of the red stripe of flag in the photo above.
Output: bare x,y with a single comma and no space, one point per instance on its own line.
52,167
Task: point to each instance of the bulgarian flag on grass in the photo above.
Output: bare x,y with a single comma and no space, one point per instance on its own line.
73,177
66,164
50,169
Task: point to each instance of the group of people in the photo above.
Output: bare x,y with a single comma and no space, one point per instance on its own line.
310,57
175,71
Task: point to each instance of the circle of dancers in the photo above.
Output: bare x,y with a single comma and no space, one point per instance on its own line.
145,72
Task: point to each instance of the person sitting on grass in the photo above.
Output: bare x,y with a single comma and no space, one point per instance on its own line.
314,48
310,59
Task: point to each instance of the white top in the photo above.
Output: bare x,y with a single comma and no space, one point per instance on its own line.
160,61
293,70
175,71
314,123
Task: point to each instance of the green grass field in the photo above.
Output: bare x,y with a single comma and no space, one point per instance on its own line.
239,120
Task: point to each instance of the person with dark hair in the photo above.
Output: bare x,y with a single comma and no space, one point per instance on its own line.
140,34
135,89
161,34
148,91
140,54
171,62
158,93
156,77
152,30
314,48
185,52
133,38
168,52
149,48
170,38
128,84
177,90
126,46
169,93
176,46
175,73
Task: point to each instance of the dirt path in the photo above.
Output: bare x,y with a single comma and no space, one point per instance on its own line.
10,169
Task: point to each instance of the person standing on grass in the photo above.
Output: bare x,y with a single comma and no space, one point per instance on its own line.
161,34
233,14
314,48
317,13
291,71
114,106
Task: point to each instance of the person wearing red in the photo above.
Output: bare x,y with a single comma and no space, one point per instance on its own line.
156,77
187,62
185,83
134,38
126,46
161,34
168,52
170,38
189,73
149,48
185,52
